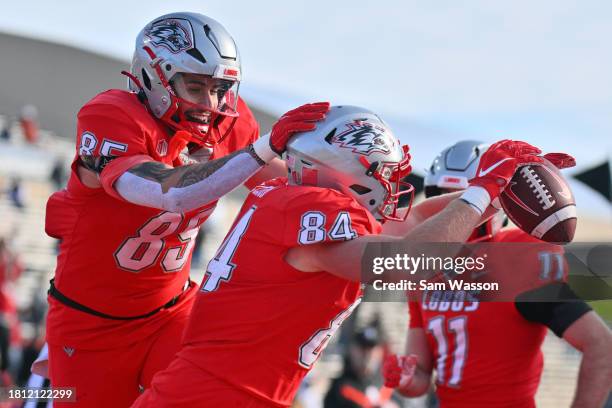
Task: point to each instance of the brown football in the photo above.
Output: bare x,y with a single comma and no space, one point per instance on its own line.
540,202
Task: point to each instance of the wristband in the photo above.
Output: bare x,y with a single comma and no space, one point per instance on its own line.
477,197
263,150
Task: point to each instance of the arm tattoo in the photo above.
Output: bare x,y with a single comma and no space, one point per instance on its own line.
95,164
251,151
181,176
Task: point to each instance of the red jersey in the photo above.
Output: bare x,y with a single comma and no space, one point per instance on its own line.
116,257
486,354
258,323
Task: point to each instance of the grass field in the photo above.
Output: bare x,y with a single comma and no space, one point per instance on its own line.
604,308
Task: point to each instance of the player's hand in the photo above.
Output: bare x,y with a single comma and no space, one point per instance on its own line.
499,163
398,371
300,119
560,160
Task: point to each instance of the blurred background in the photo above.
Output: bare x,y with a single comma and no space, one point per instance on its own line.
438,72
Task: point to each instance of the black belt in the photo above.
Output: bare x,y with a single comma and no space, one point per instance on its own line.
53,292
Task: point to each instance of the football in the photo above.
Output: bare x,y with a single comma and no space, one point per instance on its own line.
540,202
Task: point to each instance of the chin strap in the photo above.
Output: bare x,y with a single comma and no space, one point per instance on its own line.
229,129
141,93
155,62
177,143
181,138
133,78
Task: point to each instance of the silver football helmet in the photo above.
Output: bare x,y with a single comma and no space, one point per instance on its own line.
353,151
452,170
454,167
185,43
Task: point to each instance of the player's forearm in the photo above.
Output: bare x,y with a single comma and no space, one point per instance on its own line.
453,224
418,386
419,213
595,377
434,205
184,188
590,335
425,210
275,168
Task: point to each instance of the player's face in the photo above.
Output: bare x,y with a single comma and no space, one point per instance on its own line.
203,93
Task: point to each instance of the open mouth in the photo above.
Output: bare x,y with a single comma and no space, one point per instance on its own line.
198,117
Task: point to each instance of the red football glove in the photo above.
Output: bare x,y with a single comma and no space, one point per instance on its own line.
499,163
560,160
398,371
297,120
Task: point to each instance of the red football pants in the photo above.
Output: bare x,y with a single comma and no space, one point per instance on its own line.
183,384
112,378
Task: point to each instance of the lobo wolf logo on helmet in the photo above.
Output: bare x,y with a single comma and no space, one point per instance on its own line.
170,34
364,138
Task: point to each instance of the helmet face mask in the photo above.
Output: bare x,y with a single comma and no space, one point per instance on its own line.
184,45
355,152
203,90
201,99
390,176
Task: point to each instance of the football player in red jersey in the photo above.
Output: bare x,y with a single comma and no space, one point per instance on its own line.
288,272
488,354
149,168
